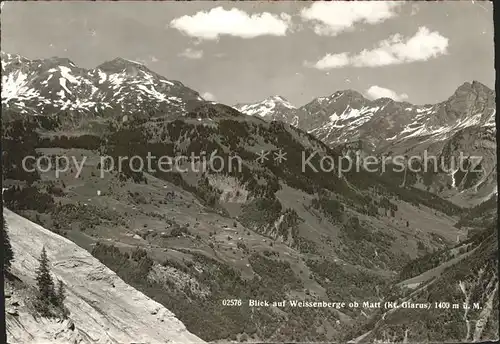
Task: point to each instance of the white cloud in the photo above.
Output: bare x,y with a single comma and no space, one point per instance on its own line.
218,21
376,92
208,96
330,61
423,46
332,18
192,54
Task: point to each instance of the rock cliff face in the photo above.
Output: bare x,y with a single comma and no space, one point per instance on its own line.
103,308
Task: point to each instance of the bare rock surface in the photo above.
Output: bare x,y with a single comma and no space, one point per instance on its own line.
103,308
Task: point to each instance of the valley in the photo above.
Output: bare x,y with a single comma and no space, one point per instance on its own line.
191,240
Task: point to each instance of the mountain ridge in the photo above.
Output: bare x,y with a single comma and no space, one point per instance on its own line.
122,89
379,104
351,122
115,87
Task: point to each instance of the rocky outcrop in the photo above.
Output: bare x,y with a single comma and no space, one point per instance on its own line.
103,308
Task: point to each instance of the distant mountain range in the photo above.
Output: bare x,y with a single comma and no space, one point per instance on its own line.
274,108
51,85
121,89
348,120
56,85
347,115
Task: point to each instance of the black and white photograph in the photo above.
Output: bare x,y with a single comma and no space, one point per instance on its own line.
249,172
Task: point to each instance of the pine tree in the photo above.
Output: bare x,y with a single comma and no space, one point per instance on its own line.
46,294
60,297
8,255
61,294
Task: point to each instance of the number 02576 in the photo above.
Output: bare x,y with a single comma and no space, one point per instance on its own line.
231,302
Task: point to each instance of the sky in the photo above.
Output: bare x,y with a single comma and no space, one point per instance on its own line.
242,52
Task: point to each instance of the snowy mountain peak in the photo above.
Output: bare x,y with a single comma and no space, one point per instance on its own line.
281,100
59,61
271,108
7,57
474,87
119,64
119,86
347,115
350,93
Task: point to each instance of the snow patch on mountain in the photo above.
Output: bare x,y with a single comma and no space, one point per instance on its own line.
347,115
15,85
43,87
265,108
